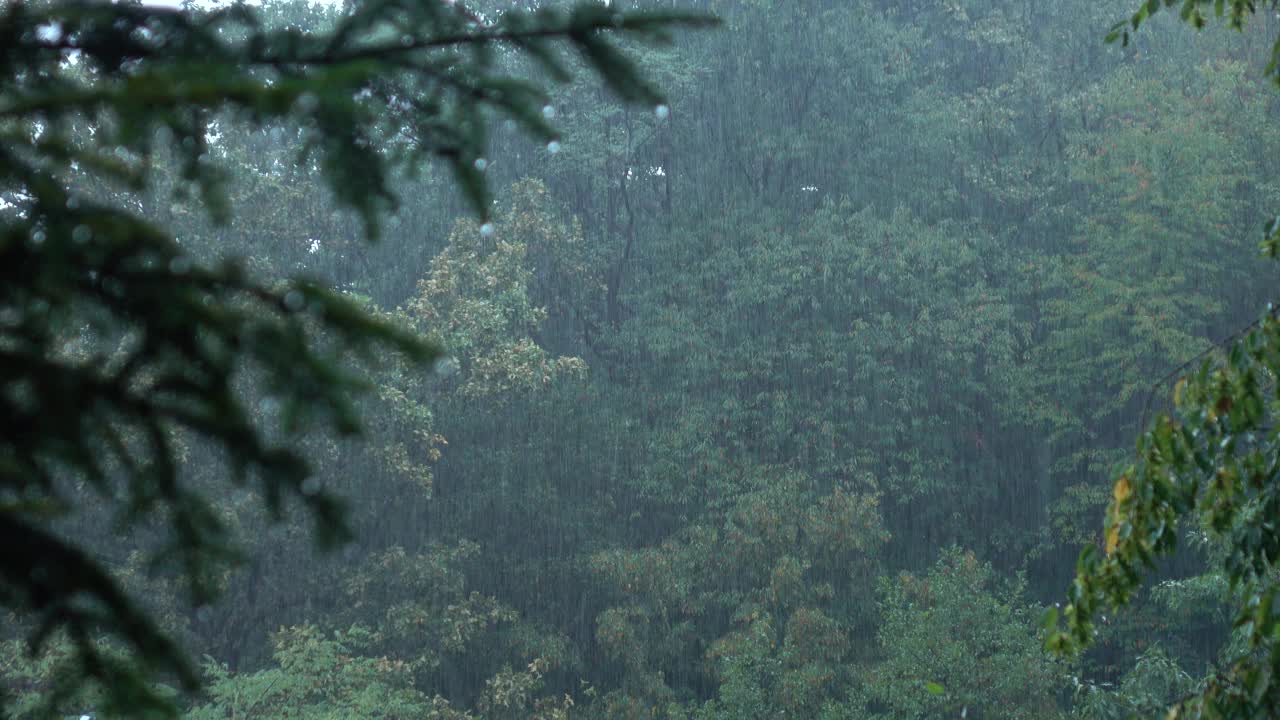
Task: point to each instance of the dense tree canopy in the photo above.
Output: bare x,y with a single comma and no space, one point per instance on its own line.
792,394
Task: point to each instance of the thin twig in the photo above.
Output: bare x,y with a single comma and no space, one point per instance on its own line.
1157,385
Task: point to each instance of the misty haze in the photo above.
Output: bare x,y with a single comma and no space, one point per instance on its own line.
680,360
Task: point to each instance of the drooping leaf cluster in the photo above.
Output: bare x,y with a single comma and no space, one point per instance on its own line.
1209,467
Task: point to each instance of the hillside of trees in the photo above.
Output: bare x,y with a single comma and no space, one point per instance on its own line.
796,395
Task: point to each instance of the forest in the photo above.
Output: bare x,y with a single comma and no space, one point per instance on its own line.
795,393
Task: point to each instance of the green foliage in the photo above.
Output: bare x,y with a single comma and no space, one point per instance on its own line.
491,289
316,677
1210,464
319,677
117,347
951,629
41,686
1147,690
721,375
786,567
1208,469
1236,14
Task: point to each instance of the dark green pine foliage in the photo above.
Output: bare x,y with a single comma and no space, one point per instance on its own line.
96,95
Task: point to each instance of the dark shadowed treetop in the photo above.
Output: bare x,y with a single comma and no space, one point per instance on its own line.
115,345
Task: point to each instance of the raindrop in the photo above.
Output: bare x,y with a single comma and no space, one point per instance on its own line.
406,40
481,164
268,406
553,147
38,238
180,265
311,485
81,235
294,300
662,111
548,112
486,229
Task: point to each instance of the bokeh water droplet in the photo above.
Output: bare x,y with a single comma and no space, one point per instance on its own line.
662,111
308,102
553,147
294,300
486,229
481,164
548,112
